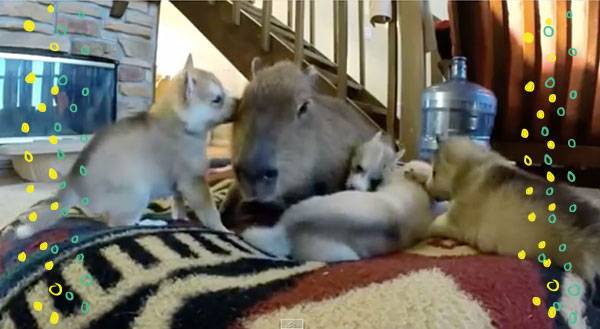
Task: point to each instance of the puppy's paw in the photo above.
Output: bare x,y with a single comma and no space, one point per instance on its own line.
418,171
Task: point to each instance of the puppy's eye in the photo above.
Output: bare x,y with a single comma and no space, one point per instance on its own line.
359,169
217,100
302,109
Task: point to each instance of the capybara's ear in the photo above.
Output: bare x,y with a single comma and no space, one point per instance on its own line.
256,65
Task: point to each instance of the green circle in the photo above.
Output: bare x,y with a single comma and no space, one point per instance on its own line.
86,280
576,285
85,201
552,218
54,249
556,305
61,29
75,239
569,14
547,159
86,309
562,247
84,50
73,108
550,191
85,91
550,82
62,185
573,94
79,259
572,320
83,138
570,267
63,80
548,31
572,208
57,127
561,111
571,142
83,170
541,257
545,131
67,294
572,52
64,212
571,176
60,155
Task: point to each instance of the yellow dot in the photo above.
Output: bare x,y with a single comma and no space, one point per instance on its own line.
550,176
548,21
536,301
25,127
30,78
54,90
531,217
547,262
30,188
49,265
524,133
43,246
29,25
529,190
552,312
32,216
54,46
527,160
27,156
22,256
551,145
42,107
552,206
38,306
528,37
529,86
539,114
53,139
521,254
54,318
54,206
52,174
542,244
552,98
50,8
552,58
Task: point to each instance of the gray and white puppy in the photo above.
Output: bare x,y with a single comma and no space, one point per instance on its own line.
152,155
352,225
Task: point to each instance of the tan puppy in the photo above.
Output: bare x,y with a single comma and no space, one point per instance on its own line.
152,155
491,211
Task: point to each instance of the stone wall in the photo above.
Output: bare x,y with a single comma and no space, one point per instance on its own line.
130,40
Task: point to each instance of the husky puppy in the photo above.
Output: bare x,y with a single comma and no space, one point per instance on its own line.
351,225
491,210
152,155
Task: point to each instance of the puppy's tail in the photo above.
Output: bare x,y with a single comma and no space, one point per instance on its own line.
273,240
45,213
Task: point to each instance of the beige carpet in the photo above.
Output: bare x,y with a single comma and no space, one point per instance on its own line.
14,199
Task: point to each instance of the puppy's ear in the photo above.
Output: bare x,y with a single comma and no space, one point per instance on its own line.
400,154
311,74
256,65
189,85
189,63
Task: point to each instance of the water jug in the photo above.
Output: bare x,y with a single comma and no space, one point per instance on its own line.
456,107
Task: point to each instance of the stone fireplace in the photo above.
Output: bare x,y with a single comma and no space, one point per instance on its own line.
87,30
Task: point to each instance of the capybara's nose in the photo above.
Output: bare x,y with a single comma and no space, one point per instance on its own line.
268,174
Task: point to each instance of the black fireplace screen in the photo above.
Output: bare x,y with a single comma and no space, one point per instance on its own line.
42,96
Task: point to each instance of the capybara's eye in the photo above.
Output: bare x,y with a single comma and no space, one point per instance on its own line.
302,109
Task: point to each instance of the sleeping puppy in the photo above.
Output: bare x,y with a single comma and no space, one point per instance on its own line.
352,225
491,210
